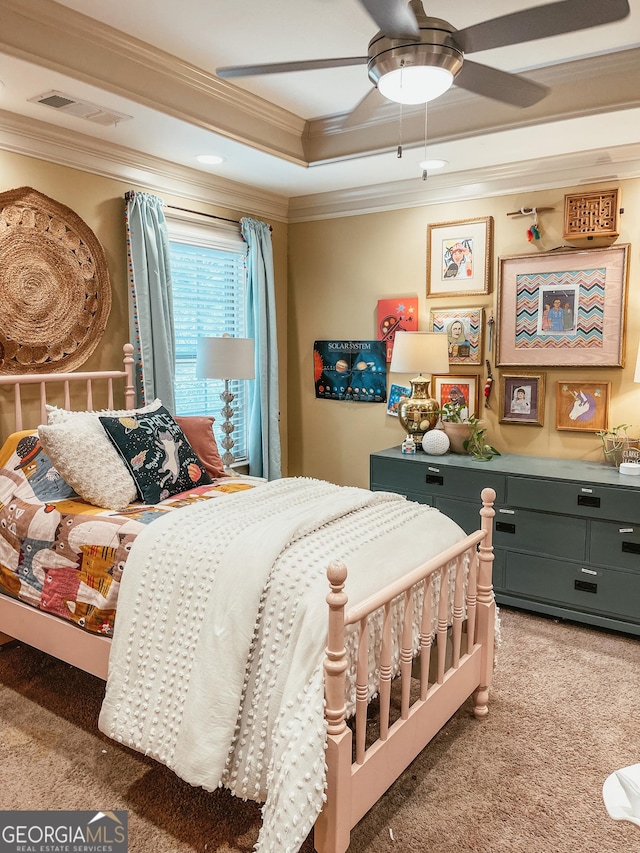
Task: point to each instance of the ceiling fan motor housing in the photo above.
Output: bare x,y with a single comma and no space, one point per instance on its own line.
436,46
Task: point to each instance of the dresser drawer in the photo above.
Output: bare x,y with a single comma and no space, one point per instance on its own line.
590,501
587,588
422,477
542,532
615,545
464,513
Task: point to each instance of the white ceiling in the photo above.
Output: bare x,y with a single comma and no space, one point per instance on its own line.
180,109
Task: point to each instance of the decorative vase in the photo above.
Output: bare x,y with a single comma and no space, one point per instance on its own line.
457,433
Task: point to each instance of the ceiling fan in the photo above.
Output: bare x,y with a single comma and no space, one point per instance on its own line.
415,58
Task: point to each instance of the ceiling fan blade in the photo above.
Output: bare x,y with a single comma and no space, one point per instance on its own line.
566,16
280,67
499,85
394,18
366,108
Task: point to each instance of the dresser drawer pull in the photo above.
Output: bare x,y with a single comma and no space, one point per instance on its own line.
631,548
588,500
505,527
435,480
585,586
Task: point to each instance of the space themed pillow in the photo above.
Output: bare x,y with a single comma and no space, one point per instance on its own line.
157,454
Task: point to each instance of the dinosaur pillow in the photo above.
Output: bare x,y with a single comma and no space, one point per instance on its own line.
157,454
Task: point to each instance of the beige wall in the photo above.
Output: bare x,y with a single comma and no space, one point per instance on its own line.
339,268
99,202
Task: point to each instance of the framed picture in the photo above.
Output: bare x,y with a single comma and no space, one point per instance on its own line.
522,399
582,406
396,315
397,393
463,328
462,390
563,309
460,257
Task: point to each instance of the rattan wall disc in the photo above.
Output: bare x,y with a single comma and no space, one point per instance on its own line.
55,294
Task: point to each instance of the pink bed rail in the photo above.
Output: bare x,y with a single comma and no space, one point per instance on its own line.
353,786
89,378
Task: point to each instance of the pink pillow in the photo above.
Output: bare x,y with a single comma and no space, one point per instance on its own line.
199,432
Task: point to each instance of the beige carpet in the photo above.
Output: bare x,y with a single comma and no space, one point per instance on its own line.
564,713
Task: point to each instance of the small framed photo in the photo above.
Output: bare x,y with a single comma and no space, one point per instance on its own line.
463,328
459,257
397,393
522,399
582,406
460,390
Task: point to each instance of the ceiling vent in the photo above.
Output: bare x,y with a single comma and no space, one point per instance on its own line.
80,109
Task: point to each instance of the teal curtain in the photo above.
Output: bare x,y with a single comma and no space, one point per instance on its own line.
264,411
150,299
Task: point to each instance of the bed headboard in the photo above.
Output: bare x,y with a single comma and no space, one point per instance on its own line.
90,379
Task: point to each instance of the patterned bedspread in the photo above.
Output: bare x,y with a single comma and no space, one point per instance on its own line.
60,554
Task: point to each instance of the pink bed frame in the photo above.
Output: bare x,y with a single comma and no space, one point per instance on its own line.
459,664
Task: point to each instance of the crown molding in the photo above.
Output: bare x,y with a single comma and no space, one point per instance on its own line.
59,38
584,87
32,138
614,165
62,39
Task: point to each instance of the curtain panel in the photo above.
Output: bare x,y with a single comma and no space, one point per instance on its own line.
264,408
150,299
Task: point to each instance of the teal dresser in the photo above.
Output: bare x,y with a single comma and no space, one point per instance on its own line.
567,533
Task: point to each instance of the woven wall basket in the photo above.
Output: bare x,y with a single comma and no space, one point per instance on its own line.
55,294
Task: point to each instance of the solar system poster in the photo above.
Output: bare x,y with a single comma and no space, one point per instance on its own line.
350,370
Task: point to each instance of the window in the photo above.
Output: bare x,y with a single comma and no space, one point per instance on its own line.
208,272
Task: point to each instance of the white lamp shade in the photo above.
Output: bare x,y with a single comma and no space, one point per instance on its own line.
225,358
416,84
636,376
420,352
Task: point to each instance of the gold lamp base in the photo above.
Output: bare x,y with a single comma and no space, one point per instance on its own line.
419,412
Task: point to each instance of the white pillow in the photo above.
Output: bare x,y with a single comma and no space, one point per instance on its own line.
80,450
61,416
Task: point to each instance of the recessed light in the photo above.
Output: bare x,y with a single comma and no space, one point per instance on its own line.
432,164
210,159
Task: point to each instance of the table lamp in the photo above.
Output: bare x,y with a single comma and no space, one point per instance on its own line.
419,352
225,358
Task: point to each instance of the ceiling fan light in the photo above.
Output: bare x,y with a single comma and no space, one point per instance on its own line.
415,84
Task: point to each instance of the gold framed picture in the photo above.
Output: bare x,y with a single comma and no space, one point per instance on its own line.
563,309
522,399
459,257
582,406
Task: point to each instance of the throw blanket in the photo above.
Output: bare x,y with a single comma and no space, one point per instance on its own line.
224,683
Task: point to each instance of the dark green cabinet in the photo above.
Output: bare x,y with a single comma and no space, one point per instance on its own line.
566,532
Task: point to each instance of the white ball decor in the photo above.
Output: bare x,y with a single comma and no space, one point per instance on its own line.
435,442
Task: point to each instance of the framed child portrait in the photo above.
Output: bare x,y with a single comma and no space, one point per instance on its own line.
522,399
459,257
463,328
460,390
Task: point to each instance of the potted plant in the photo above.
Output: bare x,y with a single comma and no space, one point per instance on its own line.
616,444
466,432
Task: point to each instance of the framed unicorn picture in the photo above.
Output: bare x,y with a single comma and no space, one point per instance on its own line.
582,406
563,309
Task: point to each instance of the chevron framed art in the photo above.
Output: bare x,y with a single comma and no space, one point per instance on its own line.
563,309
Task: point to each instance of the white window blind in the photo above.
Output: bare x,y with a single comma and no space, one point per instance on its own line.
208,272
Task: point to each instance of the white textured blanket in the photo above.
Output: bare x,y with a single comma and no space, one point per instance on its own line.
223,683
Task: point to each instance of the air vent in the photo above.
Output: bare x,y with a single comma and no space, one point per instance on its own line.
79,108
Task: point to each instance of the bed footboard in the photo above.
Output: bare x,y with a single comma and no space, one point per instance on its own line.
460,665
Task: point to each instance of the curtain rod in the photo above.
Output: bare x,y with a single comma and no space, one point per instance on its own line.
199,213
